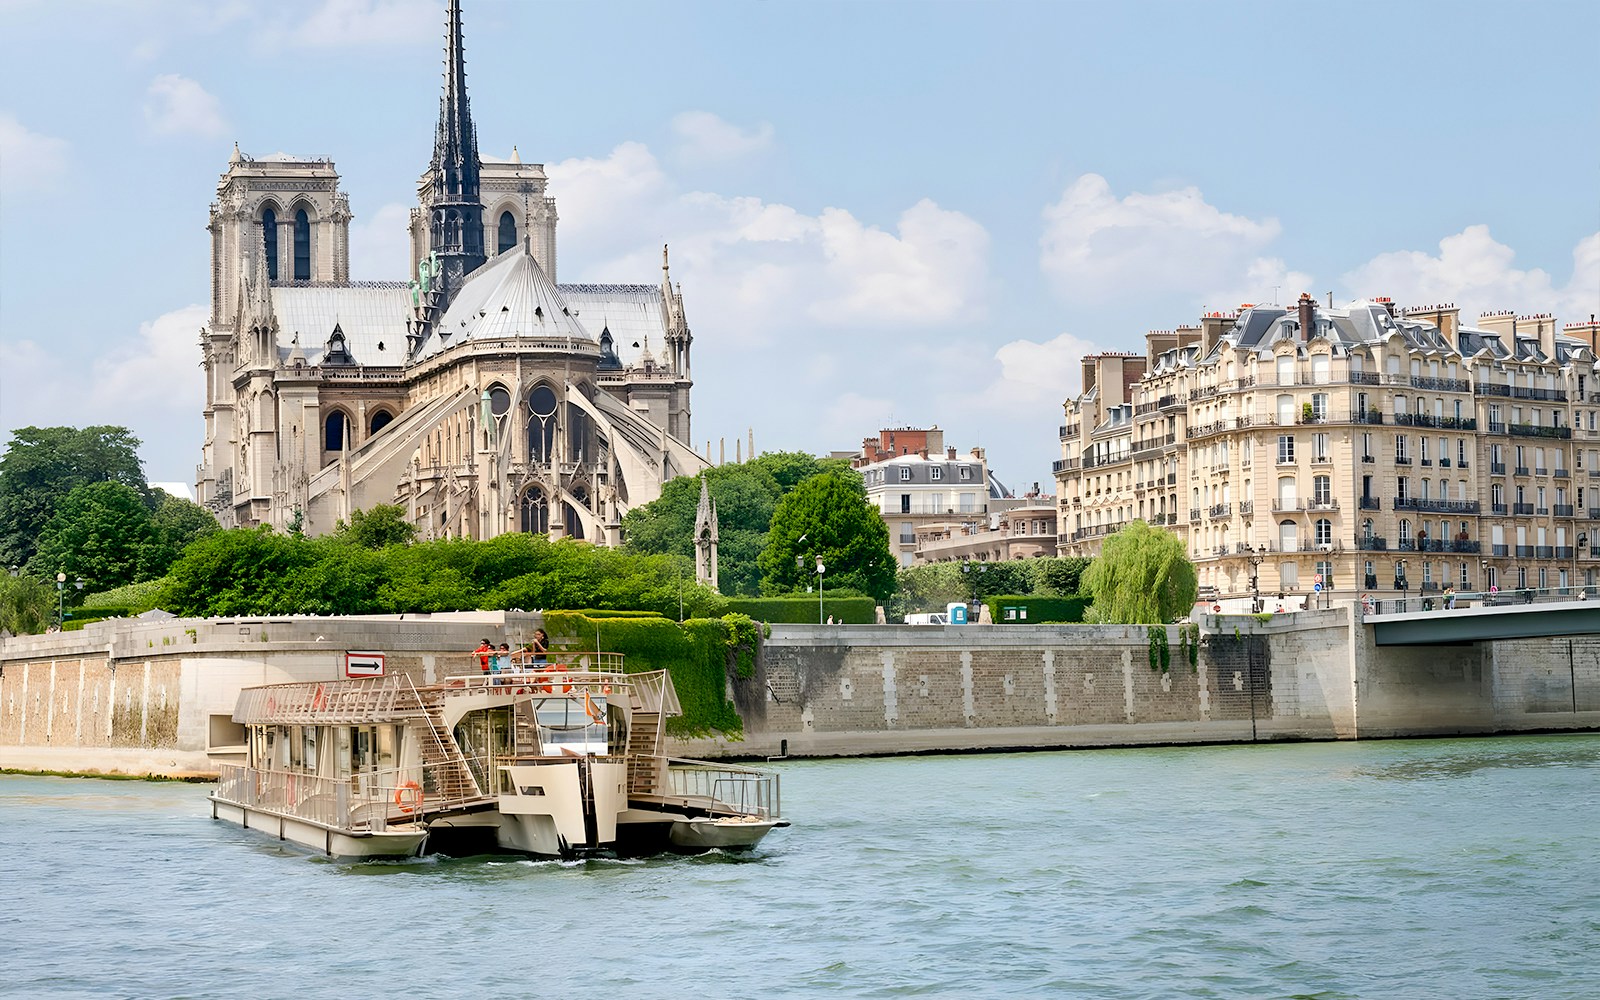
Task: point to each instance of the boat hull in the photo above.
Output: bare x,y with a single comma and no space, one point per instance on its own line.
728,834
404,842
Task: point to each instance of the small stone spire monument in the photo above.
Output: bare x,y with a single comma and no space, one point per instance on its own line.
705,539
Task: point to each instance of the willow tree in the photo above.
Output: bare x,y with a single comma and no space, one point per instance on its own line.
1141,577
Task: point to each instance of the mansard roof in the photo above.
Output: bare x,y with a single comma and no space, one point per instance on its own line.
507,298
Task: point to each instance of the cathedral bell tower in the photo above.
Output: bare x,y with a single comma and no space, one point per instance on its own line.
452,203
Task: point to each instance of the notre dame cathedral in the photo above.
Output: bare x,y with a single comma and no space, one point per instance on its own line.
480,395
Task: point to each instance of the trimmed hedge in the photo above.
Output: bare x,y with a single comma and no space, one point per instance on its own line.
697,653
612,613
802,610
1039,609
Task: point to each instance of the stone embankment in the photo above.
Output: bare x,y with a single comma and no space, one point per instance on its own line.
136,697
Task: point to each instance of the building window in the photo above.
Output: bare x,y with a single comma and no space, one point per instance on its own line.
1322,489
302,246
541,423
380,420
1288,536
508,231
1402,451
333,431
1324,531
1285,449
905,474
965,472
269,242
1319,405
935,473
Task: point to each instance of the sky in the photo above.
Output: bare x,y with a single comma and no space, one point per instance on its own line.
880,213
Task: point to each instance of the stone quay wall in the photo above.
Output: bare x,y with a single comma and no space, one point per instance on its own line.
158,697
843,690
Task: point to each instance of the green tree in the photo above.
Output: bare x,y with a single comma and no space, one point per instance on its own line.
27,604
383,525
99,532
1142,577
828,516
43,464
745,495
236,572
175,522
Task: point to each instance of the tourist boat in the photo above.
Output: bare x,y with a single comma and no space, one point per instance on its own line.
548,759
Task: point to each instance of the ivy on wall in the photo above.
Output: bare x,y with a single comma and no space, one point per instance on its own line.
1160,653
698,653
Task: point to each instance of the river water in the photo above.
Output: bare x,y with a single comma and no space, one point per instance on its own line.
1437,869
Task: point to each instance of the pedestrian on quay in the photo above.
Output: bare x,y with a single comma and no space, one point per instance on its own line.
1449,598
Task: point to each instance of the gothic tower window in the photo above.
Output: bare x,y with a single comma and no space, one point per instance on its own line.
380,420
302,246
541,423
269,242
333,431
508,232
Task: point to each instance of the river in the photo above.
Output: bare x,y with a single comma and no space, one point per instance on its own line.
1429,869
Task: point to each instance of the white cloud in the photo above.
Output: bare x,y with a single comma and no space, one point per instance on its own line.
1097,246
177,105
706,138
152,385
759,267
380,246
1265,279
370,23
1476,272
28,160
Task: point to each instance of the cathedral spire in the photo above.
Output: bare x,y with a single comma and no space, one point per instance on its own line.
455,208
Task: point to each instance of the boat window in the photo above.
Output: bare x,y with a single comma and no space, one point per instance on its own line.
573,724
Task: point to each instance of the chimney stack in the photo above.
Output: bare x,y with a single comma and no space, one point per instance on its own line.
1308,317
950,453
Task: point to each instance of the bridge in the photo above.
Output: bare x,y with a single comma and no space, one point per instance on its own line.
1394,624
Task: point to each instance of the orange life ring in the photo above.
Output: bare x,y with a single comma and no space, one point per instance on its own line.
408,797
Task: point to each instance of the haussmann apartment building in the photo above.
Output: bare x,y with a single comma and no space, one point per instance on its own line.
1368,448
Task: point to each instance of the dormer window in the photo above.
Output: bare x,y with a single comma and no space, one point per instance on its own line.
905,473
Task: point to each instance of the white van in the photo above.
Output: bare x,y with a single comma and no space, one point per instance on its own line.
928,618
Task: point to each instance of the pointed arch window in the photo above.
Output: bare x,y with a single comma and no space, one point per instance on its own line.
302,246
269,242
541,423
379,421
535,512
508,231
333,430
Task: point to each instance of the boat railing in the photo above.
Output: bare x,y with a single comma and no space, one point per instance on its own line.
723,789
366,800
367,699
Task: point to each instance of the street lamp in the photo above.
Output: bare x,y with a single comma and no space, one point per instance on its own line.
1483,579
1256,557
61,594
1400,583
1582,540
799,564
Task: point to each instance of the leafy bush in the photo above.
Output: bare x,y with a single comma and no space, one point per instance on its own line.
1038,609
802,610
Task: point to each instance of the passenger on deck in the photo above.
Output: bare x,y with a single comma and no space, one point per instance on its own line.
484,652
502,659
539,647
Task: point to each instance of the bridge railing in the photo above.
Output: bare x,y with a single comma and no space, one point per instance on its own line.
1481,599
